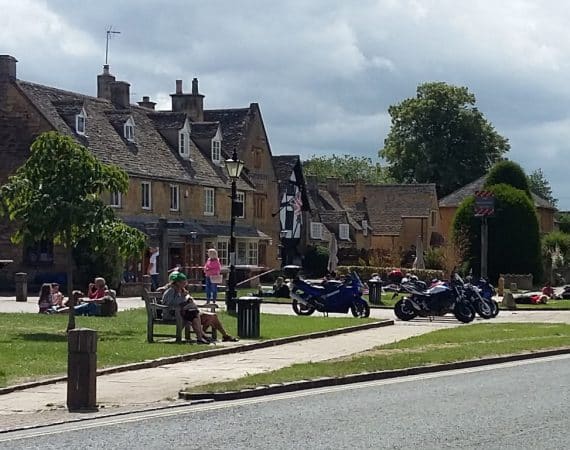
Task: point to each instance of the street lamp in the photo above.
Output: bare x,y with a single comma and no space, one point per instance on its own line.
234,167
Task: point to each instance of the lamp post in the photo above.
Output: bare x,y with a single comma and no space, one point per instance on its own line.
234,167
193,235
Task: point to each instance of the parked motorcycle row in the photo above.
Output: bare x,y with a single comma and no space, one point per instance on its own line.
464,299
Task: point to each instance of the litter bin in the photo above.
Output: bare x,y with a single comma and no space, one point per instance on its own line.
248,317
375,291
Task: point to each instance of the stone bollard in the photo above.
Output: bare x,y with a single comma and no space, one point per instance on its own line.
501,287
509,301
21,287
147,282
514,287
82,370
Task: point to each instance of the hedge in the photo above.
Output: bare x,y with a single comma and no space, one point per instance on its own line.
365,272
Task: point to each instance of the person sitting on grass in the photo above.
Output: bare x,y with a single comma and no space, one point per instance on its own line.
176,296
100,302
56,297
44,301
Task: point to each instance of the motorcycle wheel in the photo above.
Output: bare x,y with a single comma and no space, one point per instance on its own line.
464,312
301,309
403,310
360,309
495,308
483,308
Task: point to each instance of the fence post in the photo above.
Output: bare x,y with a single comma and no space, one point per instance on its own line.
82,370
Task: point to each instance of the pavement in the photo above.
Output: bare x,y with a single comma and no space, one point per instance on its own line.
159,386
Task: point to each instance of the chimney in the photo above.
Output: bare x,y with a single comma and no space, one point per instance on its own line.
120,94
146,103
191,104
332,185
8,67
312,184
104,82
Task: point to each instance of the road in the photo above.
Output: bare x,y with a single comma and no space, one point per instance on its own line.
521,405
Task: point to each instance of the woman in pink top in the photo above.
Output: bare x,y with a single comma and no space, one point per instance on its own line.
212,270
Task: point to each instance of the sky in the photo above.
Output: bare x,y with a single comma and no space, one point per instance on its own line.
323,71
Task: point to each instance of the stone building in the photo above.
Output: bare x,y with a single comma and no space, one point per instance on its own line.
174,159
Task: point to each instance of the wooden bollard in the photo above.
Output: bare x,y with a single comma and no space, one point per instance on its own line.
21,280
82,370
501,287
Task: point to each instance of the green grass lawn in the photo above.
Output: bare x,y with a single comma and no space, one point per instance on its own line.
552,304
442,346
34,346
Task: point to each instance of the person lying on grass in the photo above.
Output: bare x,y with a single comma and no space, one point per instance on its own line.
176,296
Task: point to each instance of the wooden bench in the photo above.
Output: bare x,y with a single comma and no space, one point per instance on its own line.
155,311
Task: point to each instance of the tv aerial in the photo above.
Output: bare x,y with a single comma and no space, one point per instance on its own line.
110,33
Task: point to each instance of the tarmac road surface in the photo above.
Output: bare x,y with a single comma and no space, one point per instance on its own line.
521,405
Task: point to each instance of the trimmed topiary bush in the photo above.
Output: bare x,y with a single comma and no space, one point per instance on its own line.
508,172
514,239
316,261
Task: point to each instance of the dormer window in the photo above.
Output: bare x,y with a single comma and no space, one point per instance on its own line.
129,130
184,140
80,121
216,151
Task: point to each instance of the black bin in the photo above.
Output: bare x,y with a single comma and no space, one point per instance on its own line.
248,317
375,291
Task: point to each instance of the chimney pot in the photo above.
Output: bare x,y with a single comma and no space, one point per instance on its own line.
146,103
179,86
104,82
195,86
146,98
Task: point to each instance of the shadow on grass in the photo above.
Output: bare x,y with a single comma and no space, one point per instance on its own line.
48,337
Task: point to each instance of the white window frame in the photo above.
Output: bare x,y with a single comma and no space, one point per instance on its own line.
209,201
129,130
252,253
174,197
344,231
184,141
116,200
216,151
365,227
316,230
241,252
145,205
81,116
223,247
240,198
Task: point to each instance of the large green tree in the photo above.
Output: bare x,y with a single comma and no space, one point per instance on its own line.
347,167
441,137
541,186
56,195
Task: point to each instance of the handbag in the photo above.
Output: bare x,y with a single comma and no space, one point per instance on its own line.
216,279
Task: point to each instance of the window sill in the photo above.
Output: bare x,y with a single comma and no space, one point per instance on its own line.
209,214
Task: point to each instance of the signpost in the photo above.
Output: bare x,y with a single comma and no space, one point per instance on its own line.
484,208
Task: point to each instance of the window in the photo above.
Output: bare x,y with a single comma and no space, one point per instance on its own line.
258,206
365,227
209,206
344,231
240,205
183,139
257,152
241,252
252,253
116,200
174,197
223,246
80,120
316,230
433,218
40,252
129,130
146,195
216,151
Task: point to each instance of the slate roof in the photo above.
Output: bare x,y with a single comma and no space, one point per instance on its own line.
204,130
387,204
454,199
150,156
234,126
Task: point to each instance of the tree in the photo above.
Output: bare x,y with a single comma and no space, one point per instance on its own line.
441,137
347,167
56,196
541,187
508,172
514,239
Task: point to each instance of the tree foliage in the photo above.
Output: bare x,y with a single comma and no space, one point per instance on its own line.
441,137
514,239
508,172
56,195
347,167
563,221
541,186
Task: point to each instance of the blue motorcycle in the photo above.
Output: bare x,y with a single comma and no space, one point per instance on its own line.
331,297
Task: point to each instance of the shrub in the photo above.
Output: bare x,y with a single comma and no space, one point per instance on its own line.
316,261
435,259
93,260
508,172
365,272
514,240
